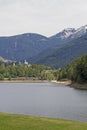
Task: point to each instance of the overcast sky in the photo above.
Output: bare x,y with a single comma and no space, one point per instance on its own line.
46,17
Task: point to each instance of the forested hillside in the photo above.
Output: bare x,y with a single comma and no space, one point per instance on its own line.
76,71
21,47
40,72
61,56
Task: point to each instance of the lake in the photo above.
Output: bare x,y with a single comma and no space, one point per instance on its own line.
43,99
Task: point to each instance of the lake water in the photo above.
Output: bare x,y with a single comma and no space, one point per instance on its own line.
43,99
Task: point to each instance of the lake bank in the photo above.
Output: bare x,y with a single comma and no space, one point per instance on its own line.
23,81
71,84
21,122
62,82
67,82
79,86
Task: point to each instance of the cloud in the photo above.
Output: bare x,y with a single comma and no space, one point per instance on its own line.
41,16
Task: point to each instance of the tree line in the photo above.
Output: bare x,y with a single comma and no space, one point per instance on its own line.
75,71
34,71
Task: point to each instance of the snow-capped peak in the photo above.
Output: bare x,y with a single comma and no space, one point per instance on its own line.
80,32
85,26
69,29
64,34
71,33
67,32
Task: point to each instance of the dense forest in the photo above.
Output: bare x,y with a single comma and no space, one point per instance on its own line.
33,72
76,71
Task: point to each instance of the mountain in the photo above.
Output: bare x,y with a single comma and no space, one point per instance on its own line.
23,46
26,46
68,34
61,56
65,33
79,32
30,45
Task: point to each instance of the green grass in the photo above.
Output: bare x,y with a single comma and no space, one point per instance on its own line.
22,122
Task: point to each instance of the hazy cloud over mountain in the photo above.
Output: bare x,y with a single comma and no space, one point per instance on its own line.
41,16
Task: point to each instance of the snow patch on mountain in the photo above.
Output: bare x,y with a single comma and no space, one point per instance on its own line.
64,34
67,32
70,33
80,32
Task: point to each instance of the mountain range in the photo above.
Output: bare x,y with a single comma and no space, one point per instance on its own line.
63,55
57,50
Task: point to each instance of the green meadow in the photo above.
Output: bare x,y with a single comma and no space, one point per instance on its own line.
24,122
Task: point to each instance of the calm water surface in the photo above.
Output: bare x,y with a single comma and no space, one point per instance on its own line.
43,99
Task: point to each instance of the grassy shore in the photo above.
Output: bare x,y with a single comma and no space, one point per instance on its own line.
22,122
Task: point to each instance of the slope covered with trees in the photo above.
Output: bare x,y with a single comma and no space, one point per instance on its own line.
21,47
40,72
76,71
63,55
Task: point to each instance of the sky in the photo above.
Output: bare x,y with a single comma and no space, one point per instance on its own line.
46,17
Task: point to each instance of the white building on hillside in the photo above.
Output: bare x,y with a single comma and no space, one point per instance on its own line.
25,62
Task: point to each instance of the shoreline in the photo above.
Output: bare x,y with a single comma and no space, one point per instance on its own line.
23,81
65,82
79,86
72,85
45,117
26,122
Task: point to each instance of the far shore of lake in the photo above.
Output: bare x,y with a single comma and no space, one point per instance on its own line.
23,81
63,82
79,86
71,84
